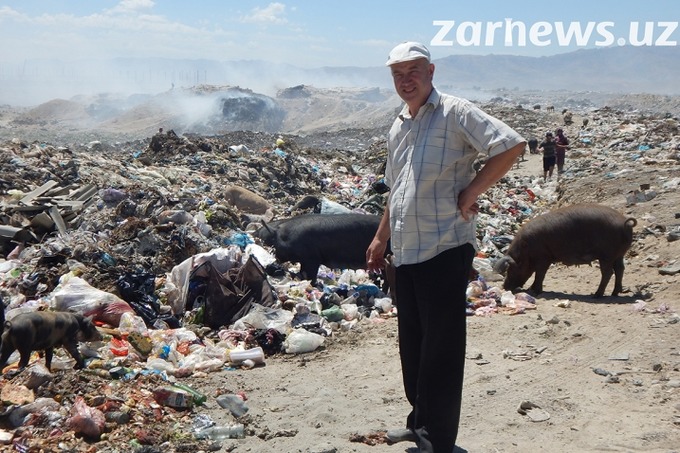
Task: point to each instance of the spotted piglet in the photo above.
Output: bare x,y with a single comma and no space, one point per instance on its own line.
45,330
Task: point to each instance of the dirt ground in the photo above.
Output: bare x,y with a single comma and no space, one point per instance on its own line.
606,371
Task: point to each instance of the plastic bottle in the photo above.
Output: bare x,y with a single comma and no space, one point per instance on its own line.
351,299
236,431
173,397
198,397
254,354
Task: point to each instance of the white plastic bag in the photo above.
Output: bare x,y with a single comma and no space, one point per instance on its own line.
261,317
300,341
76,295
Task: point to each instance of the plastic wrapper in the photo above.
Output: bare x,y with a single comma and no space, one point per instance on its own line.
263,256
485,269
86,420
19,415
350,311
507,298
261,317
475,288
129,322
333,314
158,364
383,304
234,403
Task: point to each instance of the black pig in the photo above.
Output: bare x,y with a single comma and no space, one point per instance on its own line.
44,330
577,234
335,240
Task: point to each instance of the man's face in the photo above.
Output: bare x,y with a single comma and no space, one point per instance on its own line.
413,81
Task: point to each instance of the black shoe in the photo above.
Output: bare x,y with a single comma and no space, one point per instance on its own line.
400,435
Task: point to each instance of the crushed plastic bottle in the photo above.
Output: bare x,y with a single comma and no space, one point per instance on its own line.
236,431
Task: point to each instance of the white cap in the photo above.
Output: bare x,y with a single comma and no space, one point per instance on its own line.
408,51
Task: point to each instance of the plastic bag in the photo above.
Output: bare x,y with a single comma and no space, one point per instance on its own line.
76,295
300,341
129,323
86,420
18,415
261,317
177,283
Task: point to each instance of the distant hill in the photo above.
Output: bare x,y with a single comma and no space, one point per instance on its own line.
614,70
623,70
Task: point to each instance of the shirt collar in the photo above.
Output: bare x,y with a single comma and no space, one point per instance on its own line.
434,99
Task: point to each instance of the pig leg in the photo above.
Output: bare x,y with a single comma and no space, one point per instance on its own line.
541,270
618,279
72,348
7,350
48,358
607,269
25,353
309,271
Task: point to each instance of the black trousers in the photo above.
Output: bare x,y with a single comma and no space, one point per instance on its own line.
432,335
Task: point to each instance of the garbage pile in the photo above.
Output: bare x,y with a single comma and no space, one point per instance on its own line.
152,240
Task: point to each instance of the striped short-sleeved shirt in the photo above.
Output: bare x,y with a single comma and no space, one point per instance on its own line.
430,161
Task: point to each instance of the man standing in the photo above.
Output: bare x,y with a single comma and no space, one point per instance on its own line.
430,221
561,147
548,148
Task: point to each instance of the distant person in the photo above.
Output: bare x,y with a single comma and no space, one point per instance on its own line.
561,147
430,221
548,149
521,157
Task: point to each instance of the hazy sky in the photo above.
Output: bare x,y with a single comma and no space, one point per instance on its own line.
310,33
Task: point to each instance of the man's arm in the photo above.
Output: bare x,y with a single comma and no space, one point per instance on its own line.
375,254
493,170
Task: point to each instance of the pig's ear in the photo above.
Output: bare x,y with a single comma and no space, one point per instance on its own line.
501,266
264,224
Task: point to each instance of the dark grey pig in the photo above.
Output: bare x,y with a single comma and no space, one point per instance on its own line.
45,330
577,234
338,241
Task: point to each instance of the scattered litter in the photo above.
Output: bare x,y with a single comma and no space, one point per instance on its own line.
623,356
533,411
601,371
